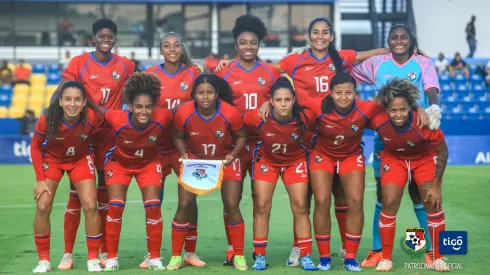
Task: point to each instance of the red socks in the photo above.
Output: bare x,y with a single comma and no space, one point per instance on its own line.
154,227
304,245
237,235
191,239
351,245
93,246
42,242
260,246
387,229
225,220
179,232
113,226
341,215
102,200
323,243
437,223
72,221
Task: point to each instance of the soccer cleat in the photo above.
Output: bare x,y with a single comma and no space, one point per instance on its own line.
384,266
94,265
111,264
103,259
342,253
193,259
66,262
43,267
307,264
429,257
325,264
293,257
175,263
441,265
145,264
240,263
260,263
352,265
372,258
156,264
230,254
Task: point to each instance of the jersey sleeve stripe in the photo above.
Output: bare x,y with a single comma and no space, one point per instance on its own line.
189,72
226,120
381,125
268,71
188,118
295,68
122,128
417,132
125,67
90,124
158,124
362,114
260,125
83,68
229,71
39,133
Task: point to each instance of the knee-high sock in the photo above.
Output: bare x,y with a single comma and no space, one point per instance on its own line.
113,226
437,223
387,229
237,235
323,244
154,227
71,221
102,201
341,215
179,232
191,239
421,215
376,236
93,246
42,242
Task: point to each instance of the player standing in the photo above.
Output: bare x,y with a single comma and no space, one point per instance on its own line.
103,75
281,152
251,81
402,62
409,152
204,129
177,75
138,133
62,143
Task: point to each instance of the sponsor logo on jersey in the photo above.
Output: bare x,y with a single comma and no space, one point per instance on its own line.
294,136
116,75
200,174
183,86
220,134
354,128
194,133
386,167
410,143
83,136
237,82
329,126
331,67
387,139
261,81
153,138
110,173
45,166
414,241
93,76
318,159
400,150
59,138
308,68
270,135
128,141
411,76
264,168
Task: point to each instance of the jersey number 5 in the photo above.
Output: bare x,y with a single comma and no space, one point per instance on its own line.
105,95
321,84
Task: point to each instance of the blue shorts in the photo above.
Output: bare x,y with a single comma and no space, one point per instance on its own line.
378,147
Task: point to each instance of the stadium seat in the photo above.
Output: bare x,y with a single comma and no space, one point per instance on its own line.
37,108
21,89
38,80
16,112
459,79
469,107
476,79
36,99
54,78
473,116
487,109
472,68
3,112
53,68
38,69
368,92
50,89
444,79
5,95
11,66
38,90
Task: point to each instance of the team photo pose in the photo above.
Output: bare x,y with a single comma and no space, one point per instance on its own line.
61,144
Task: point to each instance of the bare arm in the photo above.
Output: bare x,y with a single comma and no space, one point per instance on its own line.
433,95
57,93
442,157
240,142
361,56
179,142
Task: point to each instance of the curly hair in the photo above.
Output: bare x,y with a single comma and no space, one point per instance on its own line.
398,87
249,23
54,113
104,24
223,89
143,84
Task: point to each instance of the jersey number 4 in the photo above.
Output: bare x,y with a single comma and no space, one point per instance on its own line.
105,95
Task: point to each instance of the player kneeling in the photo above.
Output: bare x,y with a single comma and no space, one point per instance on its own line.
136,154
61,144
281,152
410,152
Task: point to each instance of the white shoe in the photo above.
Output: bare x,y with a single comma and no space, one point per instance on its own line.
193,260
112,264
94,265
384,266
103,259
146,262
43,267
66,262
293,257
342,253
156,264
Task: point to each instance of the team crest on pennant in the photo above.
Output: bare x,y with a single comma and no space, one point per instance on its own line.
331,67
153,138
261,81
411,76
116,75
201,176
410,143
354,128
184,86
220,134
414,242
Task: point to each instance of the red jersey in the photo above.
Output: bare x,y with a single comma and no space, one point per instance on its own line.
311,76
279,142
70,144
104,81
338,135
208,138
137,147
409,143
251,88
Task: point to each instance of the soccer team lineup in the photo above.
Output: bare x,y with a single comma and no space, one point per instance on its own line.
298,121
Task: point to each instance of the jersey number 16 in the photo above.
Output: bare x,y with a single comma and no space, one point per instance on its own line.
321,84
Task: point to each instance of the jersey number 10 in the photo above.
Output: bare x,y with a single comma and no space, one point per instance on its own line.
321,84
250,101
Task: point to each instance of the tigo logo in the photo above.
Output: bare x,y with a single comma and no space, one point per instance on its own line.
453,242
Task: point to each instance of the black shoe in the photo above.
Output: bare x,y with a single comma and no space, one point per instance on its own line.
229,262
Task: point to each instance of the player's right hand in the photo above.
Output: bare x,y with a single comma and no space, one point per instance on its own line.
264,111
434,196
435,116
184,156
41,187
300,51
222,64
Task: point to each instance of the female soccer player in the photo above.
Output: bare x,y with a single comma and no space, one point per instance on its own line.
204,129
403,62
62,143
251,81
177,75
138,133
409,152
281,152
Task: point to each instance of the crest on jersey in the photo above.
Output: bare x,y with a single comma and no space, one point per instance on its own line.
318,159
83,136
354,128
220,134
45,166
261,81
183,86
153,138
116,75
110,173
414,241
200,174
386,167
411,76
294,136
331,67
410,143
264,168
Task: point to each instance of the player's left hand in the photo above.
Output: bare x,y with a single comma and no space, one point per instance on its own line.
422,118
300,51
435,116
222,64
433,195
264,111
228,159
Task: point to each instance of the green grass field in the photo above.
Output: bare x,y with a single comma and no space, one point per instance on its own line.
465,203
